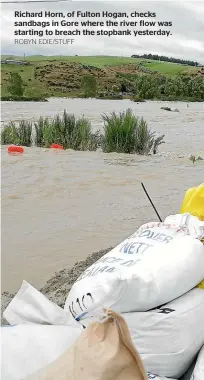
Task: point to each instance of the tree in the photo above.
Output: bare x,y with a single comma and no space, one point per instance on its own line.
89,86
166,59
15,84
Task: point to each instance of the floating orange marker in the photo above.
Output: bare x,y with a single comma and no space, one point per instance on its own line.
15,149
56,146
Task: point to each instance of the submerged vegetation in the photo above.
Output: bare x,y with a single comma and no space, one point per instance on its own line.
20,134
126,133
194,159
123,133
66,131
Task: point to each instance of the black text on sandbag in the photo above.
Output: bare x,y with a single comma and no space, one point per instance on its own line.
134,247
157,236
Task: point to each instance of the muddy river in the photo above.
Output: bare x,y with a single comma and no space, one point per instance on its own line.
58,207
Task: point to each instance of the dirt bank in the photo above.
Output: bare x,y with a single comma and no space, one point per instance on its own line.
57,288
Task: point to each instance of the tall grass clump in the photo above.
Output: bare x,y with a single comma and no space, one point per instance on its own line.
25,133
66,131
20,134
9,134
126,133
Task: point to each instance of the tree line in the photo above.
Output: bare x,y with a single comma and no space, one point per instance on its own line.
173,88
146,86
156,57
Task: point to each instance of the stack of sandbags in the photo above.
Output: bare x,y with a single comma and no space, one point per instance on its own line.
39,332
169,337
198,373
160,264
26,348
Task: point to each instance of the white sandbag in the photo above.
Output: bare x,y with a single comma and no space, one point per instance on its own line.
188,373
31,306
198,373
188,223
169,338
150,376
28,348
148,269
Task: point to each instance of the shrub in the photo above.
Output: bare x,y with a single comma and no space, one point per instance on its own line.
66,131
137,99
157,141
25,133
195,159
89,86
144,138
41,128
18,135
9,134
125,133
15,84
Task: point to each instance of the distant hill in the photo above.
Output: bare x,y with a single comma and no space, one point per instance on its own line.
60,76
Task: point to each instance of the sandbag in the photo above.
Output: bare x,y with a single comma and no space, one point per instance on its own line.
104,351
168,338
31,306
153,266
28,348
198,373
188,373
151,376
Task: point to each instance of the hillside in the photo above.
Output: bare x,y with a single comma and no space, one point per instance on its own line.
62,75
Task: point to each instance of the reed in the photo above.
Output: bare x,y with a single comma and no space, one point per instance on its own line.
20,134
66,131
126,133
123,133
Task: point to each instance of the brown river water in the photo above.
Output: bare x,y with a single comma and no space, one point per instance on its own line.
58,207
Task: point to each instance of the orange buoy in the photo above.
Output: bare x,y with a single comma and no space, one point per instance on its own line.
15,149
56,146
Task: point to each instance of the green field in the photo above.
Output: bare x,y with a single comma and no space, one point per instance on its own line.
169,68
102,61
98,61
45,74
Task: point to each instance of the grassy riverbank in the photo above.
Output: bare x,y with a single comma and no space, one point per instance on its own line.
12,98
116,77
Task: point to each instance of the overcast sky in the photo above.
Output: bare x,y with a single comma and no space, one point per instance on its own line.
186,41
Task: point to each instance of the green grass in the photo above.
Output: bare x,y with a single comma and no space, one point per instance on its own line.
126,133
102,61
66,131
97,61
169,68
123,133
17,134
33,87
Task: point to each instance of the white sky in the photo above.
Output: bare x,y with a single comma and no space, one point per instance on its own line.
187,40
